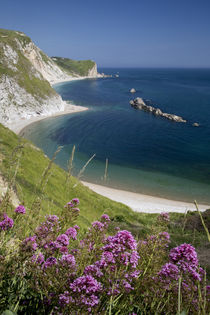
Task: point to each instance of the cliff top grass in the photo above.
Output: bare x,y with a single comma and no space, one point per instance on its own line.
74,67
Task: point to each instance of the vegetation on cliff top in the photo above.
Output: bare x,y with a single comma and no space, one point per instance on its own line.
74,67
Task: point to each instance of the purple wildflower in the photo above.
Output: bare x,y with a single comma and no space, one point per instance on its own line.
64,299
63,240
50,262
88,288
72,203
184,256
97,225
86,284
169,271
68,260
93,270
71,233
105,218
75,201
7,223
20,209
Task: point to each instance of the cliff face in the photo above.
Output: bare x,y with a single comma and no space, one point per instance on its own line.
25,77
24,71
45,65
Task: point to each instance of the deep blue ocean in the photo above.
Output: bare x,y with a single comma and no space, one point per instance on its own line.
146,154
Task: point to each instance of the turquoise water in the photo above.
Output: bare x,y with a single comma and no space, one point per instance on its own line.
147,154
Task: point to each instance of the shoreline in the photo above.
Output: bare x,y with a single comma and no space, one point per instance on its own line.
18,126
144,203
136,201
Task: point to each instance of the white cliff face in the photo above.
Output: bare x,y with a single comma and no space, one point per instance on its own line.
16,103
93,72
45,65
24,90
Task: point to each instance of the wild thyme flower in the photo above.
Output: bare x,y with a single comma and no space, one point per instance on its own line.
74,202
71,233
63,240
51,261
64,299
20,209
86,284
97,225
68,260
93,270
169,271
86,289
7,223
184,256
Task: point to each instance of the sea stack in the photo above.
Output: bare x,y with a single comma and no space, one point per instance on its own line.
132,90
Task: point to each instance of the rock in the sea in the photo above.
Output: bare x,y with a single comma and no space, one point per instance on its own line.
139,103
196,125
132,90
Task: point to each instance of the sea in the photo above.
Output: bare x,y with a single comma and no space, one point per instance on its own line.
144,153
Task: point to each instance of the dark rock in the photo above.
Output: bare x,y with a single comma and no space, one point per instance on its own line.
139,103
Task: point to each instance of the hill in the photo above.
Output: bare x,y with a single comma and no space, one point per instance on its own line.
78,68
26,75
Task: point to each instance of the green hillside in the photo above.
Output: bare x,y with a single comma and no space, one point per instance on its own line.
32,163
72,67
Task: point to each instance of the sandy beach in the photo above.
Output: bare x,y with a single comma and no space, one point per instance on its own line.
144,203
19,125
137,202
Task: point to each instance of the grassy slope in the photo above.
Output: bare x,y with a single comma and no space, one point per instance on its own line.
32,165
57,193
72,67
24,76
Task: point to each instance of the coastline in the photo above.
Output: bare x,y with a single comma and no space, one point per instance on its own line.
19,125
144,203
136,201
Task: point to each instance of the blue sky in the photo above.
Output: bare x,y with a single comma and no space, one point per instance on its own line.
134,33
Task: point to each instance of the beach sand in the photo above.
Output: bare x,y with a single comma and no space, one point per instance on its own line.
19,125
137,202
144,203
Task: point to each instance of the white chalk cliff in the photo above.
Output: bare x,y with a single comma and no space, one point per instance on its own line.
25,77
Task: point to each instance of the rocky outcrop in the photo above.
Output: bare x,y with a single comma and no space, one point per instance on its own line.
139,103
132,90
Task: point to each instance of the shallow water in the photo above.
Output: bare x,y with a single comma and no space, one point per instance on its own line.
147,154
